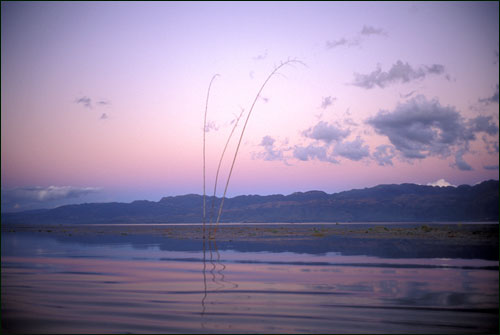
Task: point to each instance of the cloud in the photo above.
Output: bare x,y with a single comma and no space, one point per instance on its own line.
483,124
261,57
460,163
369,30
51,192
325,132
441,183
407,95
312,152
491,145
267,141
399,72
419,128
24,198
365,32
384,154
85,101
270,152
103,102
349,121
353,150
343,41
211,126
327,101
491,99
490,167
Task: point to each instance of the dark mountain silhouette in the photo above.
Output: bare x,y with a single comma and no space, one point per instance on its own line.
405,202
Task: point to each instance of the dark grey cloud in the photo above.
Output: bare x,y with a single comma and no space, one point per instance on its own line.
399,72
483,124
325,132
369,30
460,163
492,99
420,128
353,150
491,145
327,101
384,154
85,101
24,198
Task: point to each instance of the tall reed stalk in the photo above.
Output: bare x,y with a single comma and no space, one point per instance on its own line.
219,166
204,135
241,137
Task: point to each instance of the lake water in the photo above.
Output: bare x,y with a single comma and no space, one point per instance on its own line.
57,283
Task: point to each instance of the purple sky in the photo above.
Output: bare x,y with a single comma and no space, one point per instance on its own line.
104,101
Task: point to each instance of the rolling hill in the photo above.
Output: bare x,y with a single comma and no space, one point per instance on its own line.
404,202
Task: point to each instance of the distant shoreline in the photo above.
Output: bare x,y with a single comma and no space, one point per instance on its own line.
407,240
260,223
465,233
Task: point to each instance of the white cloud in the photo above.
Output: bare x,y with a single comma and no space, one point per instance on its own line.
42,197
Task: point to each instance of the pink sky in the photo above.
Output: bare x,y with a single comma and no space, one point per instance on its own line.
105,101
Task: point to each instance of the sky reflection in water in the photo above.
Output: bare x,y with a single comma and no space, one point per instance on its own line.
54,286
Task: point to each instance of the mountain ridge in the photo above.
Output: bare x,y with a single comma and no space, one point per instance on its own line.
385,202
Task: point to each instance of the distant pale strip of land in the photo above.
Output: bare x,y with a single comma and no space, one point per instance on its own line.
467,233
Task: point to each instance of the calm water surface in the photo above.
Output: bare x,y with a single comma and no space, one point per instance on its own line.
122,284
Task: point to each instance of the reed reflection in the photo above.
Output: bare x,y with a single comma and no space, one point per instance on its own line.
217,271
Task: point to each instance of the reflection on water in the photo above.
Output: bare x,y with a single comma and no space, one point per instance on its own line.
49,286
